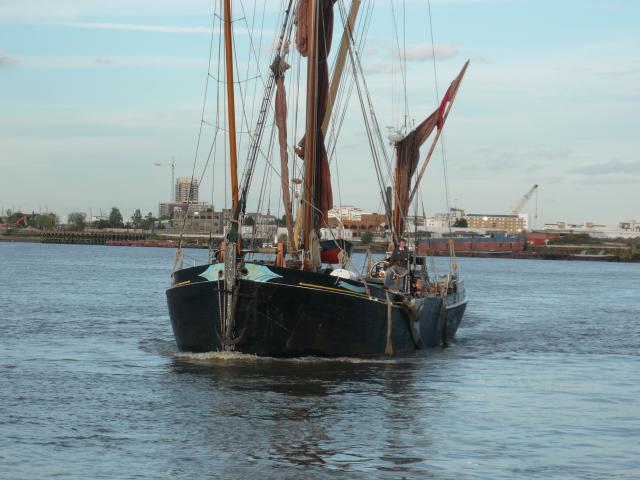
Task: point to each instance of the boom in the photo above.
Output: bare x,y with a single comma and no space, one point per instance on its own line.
523,202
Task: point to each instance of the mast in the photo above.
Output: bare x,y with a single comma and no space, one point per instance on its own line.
311,122
231,110
233,242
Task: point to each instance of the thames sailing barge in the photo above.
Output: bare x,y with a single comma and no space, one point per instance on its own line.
295,305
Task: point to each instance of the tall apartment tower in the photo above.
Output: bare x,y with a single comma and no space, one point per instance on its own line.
186,190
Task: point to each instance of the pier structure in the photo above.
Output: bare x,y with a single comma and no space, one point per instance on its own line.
91,238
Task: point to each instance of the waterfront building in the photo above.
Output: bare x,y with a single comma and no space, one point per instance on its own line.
375,223
507,223
169,209
443,220
626,229
336,233
347,212
630,226
200,220
589,228
416,223
260,226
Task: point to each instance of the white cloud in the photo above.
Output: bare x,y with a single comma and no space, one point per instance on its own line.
139,27
7,61
418,52
421,52
48,10
135,27
379,66
610,167
81,62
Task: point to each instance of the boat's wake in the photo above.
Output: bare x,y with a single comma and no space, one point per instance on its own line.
237,357
159,346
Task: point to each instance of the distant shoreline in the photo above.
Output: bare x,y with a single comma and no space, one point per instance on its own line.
525,255
18,239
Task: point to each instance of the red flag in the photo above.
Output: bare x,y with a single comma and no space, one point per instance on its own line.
451,91
443,107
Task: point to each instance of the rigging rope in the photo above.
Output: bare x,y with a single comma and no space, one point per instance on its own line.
372,127
402,59
195,157
442,142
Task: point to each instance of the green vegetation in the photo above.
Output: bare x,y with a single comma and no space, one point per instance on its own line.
115,218
77,221
461,222
366,237
148,222
19,220
575,239
45,221
12,218
136,219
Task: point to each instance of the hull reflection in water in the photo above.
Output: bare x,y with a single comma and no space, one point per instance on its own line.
282,312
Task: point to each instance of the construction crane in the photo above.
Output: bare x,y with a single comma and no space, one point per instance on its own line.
23,220
173,176
524,200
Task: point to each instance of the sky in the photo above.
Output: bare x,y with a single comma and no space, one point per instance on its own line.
93,93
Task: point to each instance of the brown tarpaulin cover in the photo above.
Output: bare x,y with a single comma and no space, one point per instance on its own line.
323,197
279,67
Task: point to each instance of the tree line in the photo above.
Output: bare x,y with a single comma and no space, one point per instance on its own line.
78,220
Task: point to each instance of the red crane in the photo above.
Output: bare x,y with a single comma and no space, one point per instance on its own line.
23,220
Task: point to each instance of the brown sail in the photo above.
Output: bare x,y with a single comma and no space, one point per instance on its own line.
407,157
322,194
408,153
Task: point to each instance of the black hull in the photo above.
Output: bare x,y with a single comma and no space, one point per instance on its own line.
302,313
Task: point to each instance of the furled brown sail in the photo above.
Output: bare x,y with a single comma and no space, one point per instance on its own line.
279,66
323,197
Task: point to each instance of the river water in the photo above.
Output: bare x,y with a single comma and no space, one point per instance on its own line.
543,382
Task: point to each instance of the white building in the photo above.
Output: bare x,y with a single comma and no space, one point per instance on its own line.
626,229
99,218
416,223
336,233
630,226
347,212
590,228
442,220
281,232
